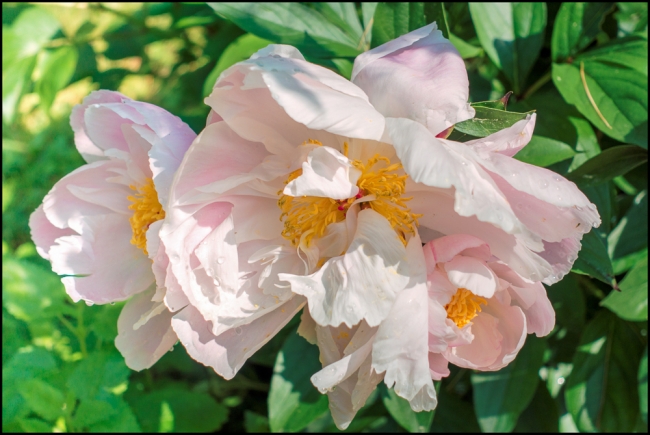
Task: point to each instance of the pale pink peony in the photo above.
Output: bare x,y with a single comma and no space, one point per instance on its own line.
306,188
489,307
98,222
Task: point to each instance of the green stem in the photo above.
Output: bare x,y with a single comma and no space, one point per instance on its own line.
538,84
591,287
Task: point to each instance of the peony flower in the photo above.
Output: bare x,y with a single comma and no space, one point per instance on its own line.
306,188
489,307
98,226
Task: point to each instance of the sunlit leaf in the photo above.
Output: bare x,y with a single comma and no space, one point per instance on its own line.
631,303
576,26
400,410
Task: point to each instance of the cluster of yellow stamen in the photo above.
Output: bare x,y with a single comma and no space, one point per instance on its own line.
146,210
464,306
309,216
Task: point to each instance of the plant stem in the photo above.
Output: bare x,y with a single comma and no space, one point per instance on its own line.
538,84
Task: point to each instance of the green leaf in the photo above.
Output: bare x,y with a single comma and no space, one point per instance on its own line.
99,373
593,259
488,121
611,163
393,20
631,303
293,24
500,397
543,151
598,391
123,421
512,35
643,385
90,412
501,103
293,401
466,50
576,26
400,410
29,32
15,79
631,233
606,89
240,49
42,398
178,409
343,15
541,415
56,70
34,425
622,265
255,423
453,414
568,302
632,17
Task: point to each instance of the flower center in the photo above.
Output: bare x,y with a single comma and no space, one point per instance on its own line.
464,306
310,215
146,210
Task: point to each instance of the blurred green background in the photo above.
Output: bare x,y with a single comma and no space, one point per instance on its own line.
61,371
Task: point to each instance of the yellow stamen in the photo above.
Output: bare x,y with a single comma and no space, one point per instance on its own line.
146,210
464,306
309,216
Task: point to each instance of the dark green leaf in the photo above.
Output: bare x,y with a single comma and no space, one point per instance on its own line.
488,121
501,103
512,35
293,401
42,398
543,151
393,20
598,392
256,423
606,90
541,415
56,70
643,385
568,302
500,397
240,49
631,233
293,24
122,421
400,410
631,303
576,26
610,163
453,414
593,259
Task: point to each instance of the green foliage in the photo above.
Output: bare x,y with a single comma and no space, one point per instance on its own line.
581,67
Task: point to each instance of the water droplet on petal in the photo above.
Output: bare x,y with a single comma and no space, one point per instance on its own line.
578,208
220,260
543,184
238,330
557,178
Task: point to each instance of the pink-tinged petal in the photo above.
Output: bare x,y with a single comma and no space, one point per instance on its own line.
484,349
437,208
507,141
561,256
438,366
401,346
363,283
551,206
228,352
455,166
307,327
419,76
540,315
43,233
446,248
471,274
86,192
512,327
108,267
326,173
440,289
440,333
143,345
202,168
337,372
90,151
309,92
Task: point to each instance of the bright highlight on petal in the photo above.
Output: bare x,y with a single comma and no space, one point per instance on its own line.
146,210
464,306
309,216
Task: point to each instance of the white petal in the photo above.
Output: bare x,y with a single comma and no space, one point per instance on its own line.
363,283
326,173
401,346
507,141
471,274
